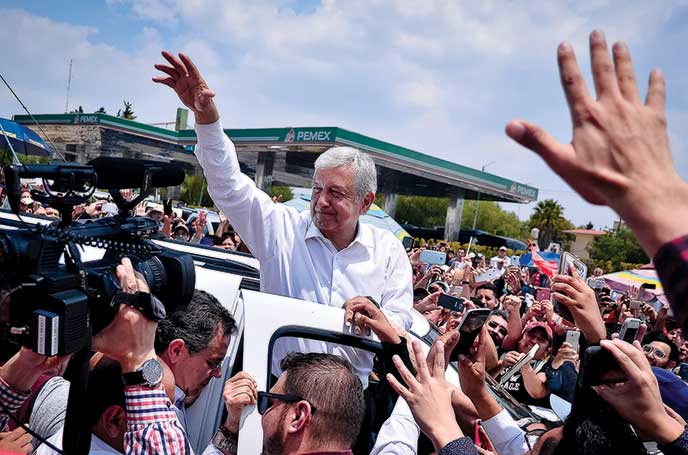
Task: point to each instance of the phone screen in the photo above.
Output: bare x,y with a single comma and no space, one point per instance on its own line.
469,328
542,294
631,333
451,303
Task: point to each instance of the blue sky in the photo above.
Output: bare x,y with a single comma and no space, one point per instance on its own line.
441,77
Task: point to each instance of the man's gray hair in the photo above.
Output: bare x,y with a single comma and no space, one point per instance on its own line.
365,175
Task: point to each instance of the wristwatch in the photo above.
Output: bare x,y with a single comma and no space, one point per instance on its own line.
149,374
225,440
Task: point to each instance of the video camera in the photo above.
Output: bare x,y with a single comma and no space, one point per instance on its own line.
56,301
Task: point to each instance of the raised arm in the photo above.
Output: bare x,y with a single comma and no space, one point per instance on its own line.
252,212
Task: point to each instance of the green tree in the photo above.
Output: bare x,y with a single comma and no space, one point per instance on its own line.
127,113
618,248
421,210
195,191
284,193
432,212
548,217
493,219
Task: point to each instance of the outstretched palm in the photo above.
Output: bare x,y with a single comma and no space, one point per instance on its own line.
183,77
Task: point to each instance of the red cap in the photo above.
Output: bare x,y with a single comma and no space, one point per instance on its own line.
535,324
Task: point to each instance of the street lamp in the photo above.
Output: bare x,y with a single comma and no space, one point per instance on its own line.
477,201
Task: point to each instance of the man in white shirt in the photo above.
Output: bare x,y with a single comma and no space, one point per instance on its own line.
501,256
324,256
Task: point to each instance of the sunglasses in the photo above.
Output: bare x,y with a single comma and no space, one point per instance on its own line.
657,352
266,400
499,328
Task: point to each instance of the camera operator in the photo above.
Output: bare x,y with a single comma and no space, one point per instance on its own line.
151,423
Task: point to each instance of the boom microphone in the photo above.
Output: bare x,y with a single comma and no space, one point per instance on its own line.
123,173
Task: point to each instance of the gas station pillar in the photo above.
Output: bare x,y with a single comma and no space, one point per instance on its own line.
452,226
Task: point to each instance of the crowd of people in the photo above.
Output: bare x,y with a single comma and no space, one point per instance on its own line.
617,386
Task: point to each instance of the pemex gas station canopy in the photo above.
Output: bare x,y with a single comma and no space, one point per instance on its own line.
400,170
285,156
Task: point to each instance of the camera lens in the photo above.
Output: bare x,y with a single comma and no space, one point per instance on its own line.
154,272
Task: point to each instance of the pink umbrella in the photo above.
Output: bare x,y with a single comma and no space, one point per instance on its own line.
622,282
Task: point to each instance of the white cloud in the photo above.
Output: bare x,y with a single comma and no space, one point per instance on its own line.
439,76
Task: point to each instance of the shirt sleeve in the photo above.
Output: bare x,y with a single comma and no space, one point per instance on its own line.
506,436
11,402
671,263
152,425
678,447
259,221
397,294
461,446
399,434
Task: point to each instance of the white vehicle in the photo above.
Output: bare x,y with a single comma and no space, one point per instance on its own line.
233,278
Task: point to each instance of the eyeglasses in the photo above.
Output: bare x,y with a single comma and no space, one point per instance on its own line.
214,366
499,328
657,352
266,400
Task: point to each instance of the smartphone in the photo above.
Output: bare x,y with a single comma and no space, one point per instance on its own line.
542,294
569,259
599,367
649,286
433,257
167,207
451,303
573,338
407,242
516,367
530,290
456,290
110,208
629,329
515,261
469,328
489,275
635,305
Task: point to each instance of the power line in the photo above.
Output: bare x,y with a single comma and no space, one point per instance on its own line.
34,119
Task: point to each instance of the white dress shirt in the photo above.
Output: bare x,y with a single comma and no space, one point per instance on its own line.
296,260
506,436
400,432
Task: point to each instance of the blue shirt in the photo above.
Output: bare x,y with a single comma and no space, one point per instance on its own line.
673,390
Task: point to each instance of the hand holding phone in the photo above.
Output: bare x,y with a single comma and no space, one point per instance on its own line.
433,257
469,328
630,330
451,303
573,338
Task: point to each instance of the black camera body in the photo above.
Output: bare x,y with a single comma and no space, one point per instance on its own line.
57,301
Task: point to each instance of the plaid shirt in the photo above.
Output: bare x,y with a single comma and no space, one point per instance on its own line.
671,263
11,401
152,425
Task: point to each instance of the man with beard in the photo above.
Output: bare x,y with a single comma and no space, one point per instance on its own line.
316,406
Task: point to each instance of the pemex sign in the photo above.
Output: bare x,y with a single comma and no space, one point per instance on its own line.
310,135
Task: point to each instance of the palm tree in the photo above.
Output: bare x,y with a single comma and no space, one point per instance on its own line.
549,218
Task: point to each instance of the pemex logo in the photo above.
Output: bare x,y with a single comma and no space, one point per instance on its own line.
290,136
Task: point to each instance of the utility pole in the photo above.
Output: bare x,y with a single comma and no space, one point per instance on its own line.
69,85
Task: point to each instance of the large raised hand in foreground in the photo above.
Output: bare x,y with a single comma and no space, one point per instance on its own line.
619,155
